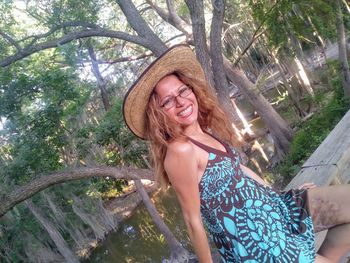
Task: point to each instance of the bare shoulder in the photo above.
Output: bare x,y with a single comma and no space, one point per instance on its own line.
180,157
180,148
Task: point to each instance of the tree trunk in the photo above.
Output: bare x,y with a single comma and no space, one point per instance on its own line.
36,252
55,235
177,252
292,96
199,36
9,200
279,129
101,83
60,219
212,68
294,99
300,60
106,217
344,65
221,83
154,43
98,228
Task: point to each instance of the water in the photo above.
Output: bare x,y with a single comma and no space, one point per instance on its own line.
138,239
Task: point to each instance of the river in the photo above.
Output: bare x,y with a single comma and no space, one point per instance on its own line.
138,240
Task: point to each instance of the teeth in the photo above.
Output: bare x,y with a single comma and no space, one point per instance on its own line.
185,111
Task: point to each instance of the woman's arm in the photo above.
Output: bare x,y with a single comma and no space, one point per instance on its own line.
181,166
257,178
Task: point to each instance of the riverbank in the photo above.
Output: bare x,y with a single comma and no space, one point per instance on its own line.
121,208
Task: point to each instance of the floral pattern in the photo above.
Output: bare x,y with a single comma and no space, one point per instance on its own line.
250,222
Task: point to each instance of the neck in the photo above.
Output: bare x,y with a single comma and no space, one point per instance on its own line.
193,129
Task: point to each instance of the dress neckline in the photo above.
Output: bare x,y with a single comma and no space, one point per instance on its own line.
211,149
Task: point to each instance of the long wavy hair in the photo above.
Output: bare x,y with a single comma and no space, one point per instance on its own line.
161,130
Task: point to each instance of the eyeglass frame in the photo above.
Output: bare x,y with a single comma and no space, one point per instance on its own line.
174,98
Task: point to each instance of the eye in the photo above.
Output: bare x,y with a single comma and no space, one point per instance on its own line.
184,92
166,103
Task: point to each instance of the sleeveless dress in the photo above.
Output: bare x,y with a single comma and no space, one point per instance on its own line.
250,222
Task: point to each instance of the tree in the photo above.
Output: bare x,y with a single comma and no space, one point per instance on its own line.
54,117
343,58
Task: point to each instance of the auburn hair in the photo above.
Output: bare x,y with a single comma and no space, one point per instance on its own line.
161,130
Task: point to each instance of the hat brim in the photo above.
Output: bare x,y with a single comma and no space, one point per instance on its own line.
179,58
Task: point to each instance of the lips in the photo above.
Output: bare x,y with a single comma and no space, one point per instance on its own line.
186,112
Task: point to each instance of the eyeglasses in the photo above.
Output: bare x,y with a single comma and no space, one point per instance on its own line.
184,92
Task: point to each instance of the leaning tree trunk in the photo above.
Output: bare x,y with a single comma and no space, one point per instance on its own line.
299,59
9,200
293,97
344,65
279,129
177,252
98,229
55,235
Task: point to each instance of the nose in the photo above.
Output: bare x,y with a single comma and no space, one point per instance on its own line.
179,101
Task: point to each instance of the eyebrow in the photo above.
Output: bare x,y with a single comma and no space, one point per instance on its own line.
182,86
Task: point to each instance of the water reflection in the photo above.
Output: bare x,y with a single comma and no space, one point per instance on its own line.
138,239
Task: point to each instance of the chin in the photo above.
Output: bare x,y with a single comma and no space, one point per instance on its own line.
188,122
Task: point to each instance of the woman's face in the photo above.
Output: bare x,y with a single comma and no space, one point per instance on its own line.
184,109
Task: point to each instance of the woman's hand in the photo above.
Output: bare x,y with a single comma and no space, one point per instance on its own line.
307,186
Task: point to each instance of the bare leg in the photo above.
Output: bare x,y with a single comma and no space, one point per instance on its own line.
337,242
329,208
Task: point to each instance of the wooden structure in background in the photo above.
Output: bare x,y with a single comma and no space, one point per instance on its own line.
329,164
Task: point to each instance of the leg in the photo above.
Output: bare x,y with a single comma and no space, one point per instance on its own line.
329,208
336,243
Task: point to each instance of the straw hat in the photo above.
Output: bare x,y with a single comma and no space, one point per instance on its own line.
179,58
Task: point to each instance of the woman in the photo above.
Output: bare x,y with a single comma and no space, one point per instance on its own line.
171,106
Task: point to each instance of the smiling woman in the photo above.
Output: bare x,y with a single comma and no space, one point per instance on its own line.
193,142
177,100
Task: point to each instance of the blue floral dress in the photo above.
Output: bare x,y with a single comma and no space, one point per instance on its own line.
249,222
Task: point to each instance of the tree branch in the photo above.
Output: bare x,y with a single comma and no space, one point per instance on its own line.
11,40
43,182
136,21
27,51
172,18
126,59
346,6
255,36
55,28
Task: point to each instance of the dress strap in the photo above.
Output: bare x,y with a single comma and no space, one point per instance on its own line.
201,145
210,149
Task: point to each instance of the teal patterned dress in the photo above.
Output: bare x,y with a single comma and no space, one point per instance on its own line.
249,222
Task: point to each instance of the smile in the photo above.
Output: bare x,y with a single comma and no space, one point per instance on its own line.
186,112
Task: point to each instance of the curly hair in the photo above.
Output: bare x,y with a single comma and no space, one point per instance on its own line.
161,130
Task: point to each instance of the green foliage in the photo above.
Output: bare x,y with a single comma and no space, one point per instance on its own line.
314,131
297,17
34,106
120,146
